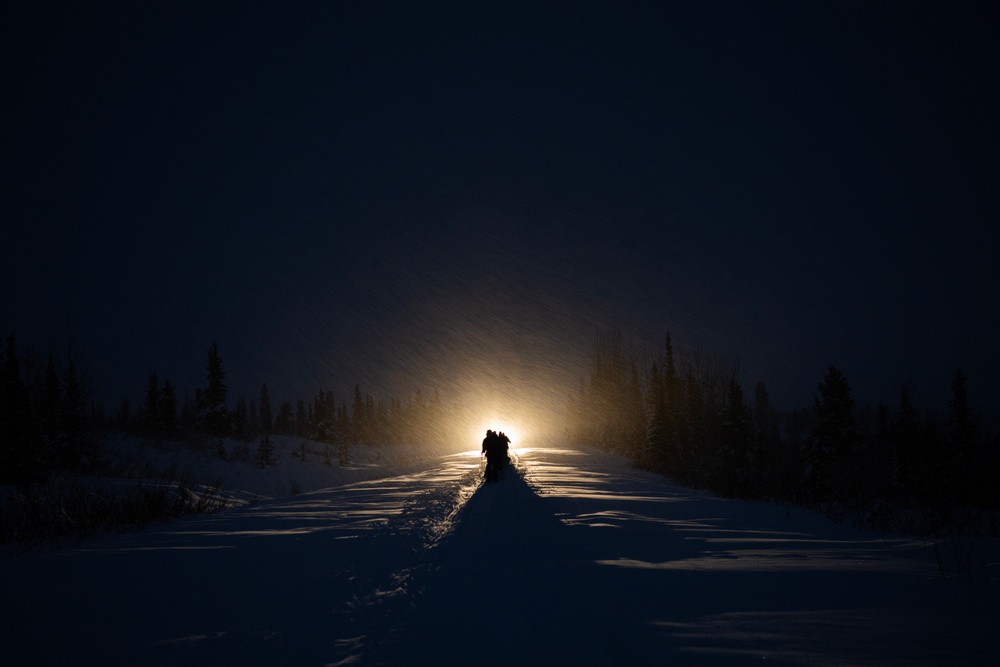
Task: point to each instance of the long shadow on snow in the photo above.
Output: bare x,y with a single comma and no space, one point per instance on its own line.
501,589
616,567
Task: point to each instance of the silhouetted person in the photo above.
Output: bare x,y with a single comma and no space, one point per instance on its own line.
496,452
503,447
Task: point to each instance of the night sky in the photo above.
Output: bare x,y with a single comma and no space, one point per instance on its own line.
458,196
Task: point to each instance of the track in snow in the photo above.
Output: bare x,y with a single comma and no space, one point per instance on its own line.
573,558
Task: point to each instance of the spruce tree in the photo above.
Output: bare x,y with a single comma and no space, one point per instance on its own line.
961,459
614,399
762,413
264,454
344,423
212,407
885,447
833,435
767,437
284,423
961,431
123,418
673,405
323,427
74,421
692,420
737,436
149,419
253,419
909,461
18,438
656,436
188,418
301,419
168,409
49,408
358,425
239,421
264,417
633,413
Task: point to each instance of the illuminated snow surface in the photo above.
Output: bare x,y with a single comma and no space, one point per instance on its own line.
573,558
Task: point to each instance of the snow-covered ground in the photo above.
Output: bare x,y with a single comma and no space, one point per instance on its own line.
573,558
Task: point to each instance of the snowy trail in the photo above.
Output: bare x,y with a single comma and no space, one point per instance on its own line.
506,589
574,558
264,585
581,560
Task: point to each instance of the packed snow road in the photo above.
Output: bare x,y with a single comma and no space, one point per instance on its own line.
573,558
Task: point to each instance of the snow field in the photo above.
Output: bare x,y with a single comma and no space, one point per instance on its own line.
573,558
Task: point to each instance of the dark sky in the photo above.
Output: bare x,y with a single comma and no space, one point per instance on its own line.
458,195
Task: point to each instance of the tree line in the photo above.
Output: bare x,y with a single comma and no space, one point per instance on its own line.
682,413
687,416
48,422
360,420
44,424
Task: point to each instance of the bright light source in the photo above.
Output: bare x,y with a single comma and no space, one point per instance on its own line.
488,404
513,431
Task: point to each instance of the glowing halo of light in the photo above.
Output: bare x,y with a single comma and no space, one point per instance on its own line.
484,401
512,430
